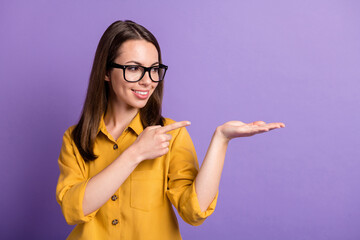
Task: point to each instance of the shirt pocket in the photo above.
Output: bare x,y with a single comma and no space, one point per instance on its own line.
147,189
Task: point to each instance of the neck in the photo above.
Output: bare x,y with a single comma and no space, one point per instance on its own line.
119,116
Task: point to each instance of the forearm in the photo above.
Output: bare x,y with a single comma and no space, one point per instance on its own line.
103,185
208,179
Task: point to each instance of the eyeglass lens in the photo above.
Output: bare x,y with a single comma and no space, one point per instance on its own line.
135,73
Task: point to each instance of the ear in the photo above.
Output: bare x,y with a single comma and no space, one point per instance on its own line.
107,78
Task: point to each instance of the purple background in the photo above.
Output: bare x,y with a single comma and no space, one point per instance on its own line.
280,60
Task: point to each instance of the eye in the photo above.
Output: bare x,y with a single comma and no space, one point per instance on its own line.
155,69
133,68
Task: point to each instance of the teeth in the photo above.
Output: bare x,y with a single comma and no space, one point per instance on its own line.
141,93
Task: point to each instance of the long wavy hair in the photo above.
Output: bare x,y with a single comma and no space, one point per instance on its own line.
97,96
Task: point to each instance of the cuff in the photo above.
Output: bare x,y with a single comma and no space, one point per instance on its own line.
193,211
71,204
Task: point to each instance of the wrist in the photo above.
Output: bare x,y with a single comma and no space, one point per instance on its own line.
133,155
218,135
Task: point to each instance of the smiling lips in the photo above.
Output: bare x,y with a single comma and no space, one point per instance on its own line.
141,94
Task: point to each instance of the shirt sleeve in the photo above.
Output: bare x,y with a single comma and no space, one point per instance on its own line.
183,168
72,183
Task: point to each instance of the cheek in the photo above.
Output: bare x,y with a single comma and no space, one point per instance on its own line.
155,85
120,88
121,83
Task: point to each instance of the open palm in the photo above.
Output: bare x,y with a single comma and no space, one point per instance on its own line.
235,129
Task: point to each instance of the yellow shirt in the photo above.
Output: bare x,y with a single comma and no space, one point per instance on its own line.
141,208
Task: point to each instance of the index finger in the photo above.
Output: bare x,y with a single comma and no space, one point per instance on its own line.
174,126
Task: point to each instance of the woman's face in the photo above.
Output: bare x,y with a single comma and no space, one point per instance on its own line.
133,94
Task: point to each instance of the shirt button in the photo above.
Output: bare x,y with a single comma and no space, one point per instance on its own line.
114,222
114,197
115,146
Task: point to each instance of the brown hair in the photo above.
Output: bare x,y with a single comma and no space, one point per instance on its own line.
97,95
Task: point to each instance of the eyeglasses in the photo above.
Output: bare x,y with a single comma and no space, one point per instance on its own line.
134,73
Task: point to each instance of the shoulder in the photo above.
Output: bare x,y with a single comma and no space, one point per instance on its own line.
67,137
181,141
179,132
168,121
70,130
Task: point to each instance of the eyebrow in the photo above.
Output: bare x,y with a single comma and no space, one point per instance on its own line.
137,63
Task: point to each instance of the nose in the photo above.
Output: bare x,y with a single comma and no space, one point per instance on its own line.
145,79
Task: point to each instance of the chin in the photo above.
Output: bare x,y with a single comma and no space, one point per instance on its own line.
140,105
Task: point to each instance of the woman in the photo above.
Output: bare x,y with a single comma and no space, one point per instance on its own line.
123,164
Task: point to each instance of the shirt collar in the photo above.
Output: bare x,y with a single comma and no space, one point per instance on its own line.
135,125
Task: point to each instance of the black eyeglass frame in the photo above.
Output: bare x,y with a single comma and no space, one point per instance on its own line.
146,69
